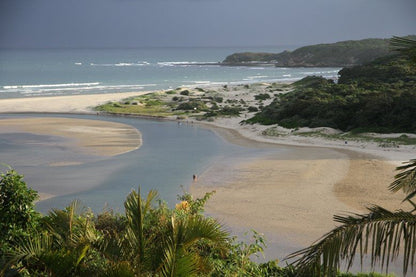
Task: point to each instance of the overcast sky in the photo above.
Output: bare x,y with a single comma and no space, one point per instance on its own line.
143,23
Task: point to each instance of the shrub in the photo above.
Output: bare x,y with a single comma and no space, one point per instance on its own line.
252,109
262,96
185,92
192,105
17,211
218,99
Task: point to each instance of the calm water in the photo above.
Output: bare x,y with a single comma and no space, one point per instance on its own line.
168,158
29,73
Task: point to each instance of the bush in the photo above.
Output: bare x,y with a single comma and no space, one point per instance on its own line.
17,211
185,92
218,99
192,105
227,111
252,109
262,96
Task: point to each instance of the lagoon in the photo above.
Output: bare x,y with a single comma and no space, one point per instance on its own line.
169,156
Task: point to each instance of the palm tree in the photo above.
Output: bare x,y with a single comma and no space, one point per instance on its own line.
382,234
60,249
180,258
160,241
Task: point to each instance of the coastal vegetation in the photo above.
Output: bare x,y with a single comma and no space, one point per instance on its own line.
339,54
197,103
376,97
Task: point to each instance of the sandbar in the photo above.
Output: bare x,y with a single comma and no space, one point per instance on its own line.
95,136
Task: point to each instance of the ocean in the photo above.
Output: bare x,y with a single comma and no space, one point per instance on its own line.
53,72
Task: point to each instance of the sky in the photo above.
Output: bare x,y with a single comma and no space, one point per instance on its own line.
202,23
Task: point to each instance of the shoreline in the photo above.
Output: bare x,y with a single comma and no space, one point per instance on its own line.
267,192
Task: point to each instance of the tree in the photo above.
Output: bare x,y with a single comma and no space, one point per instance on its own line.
17,211
60,249
18,217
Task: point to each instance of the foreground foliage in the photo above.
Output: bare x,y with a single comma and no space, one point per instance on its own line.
150,239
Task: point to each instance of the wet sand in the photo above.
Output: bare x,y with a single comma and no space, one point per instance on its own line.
79,141
97,137
292,196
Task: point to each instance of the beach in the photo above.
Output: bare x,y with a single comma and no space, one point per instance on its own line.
290,197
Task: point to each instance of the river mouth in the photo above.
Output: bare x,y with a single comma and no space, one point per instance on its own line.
169,156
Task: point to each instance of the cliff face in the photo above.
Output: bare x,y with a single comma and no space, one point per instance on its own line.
340,54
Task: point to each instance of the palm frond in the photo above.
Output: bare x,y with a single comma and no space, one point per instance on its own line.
72,227
380,233
136,208
177,262
32,248
198,227
181,235
405,180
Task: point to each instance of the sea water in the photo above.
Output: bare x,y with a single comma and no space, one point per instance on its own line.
50,72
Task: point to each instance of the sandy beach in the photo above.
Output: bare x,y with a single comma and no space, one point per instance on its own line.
291,197
61,104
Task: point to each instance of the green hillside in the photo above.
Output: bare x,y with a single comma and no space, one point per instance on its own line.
339,54
379,96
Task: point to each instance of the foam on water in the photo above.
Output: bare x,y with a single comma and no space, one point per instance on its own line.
51,85
30,73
